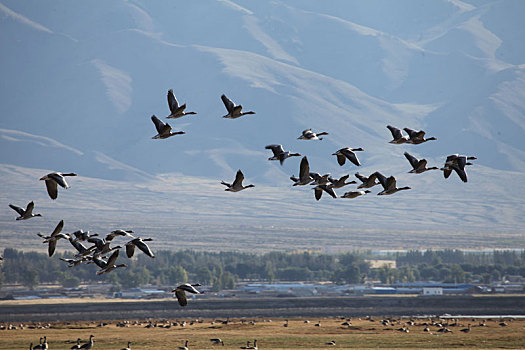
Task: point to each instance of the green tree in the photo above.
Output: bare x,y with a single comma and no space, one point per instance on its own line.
29,278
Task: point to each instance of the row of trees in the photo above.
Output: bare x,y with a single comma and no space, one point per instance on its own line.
221,270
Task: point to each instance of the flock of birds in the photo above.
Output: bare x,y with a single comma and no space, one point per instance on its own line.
428,325
101,247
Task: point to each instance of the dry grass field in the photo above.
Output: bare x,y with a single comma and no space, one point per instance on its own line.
361,334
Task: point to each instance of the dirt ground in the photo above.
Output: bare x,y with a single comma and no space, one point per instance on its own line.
361,333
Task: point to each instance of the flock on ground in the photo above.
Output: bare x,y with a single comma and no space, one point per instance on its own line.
403,325
101,247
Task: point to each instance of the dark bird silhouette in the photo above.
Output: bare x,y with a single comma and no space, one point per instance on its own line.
237,185
234,111
25,214
280,154
163,129
418,166
176,111
417,137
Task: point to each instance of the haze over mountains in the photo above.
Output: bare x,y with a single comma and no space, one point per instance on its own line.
79,84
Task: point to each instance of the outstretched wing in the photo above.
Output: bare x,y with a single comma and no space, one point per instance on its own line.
341,159
413,160
396,133
113,258
159,124
276,149
304,168
239,178
52,189
381,178
413,134
228,103
58,229
390,183
17,209
318,191
144,247
350,155
181,297
172,101
130,249
30,207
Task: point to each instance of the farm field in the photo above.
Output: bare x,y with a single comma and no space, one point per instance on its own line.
363,333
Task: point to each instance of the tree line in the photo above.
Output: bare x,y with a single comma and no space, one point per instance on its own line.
221,270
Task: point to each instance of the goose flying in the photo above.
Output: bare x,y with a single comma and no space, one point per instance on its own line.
163,129
237,185
53,180
25,214
234,111
176,111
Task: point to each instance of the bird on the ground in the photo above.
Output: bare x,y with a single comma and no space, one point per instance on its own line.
347,153
354,194
108,266
389,184
234,111
465,330
185,347
77,345
417,137
330,343
217,341
54,237
304,174
318,191
26,213
341,182
254,346
139,243
163,129
129,343
176,110
418,165
89,344
308,134
248,344
180,292
237,185
457,163
398,137
367,182
280,154
53,180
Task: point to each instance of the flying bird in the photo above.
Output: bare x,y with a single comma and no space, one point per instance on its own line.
367,182
457,163
318,191
398,137
54,237
108,266
237,185
304,174
25,214
176,111
53,180
417,137
389,184
341,182
418,165
347,153
139,243
180,292
234,111
354,194
163,129
308,134
280,154
121,233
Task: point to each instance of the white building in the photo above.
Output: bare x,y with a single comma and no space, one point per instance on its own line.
432,291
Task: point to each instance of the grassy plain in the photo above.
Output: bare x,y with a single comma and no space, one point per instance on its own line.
362,334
